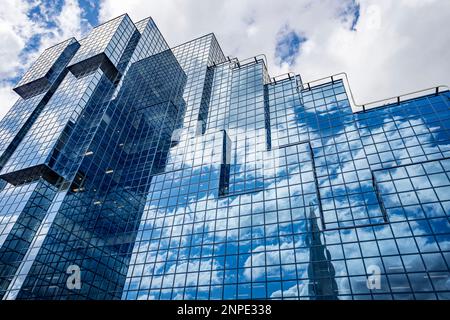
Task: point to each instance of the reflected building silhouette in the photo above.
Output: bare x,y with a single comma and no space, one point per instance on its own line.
322,283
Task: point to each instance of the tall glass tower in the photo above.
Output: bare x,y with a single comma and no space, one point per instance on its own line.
132,170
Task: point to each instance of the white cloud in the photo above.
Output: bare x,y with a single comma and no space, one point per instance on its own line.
7,98
294,291
399,46
15,31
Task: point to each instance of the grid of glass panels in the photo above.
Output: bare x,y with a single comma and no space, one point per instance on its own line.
90,126
102,209
15,119
45,62
110,38
64,106
20,118
192,246
52,124
194,57
25,208
342,231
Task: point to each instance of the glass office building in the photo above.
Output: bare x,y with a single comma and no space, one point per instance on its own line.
133,170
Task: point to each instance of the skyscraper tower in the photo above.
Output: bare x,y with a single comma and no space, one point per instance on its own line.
133,170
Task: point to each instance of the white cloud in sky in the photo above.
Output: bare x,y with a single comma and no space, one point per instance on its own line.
15,29
398,46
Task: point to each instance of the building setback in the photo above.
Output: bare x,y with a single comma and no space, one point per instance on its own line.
132,170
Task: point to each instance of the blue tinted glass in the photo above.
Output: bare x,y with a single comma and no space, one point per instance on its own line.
180,173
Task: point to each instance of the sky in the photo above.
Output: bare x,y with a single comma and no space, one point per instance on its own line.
387,47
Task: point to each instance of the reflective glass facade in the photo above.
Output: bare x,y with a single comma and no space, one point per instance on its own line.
180,173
